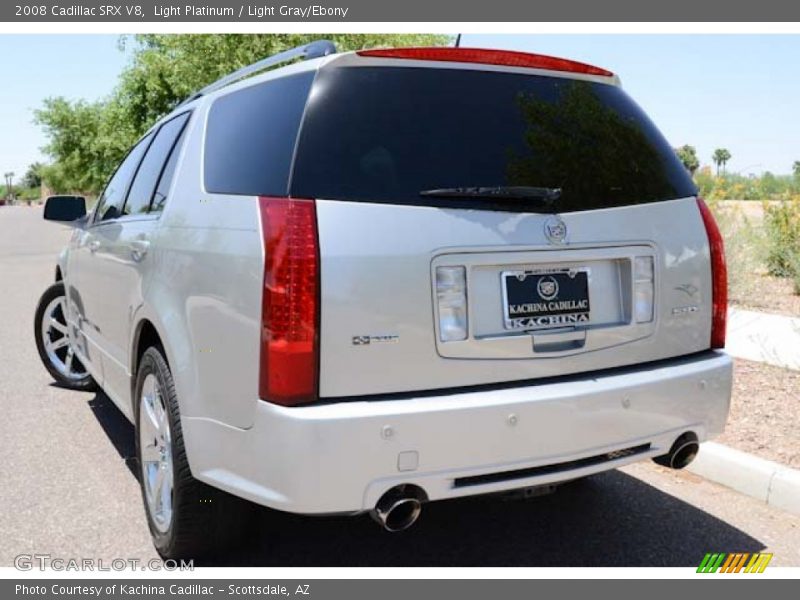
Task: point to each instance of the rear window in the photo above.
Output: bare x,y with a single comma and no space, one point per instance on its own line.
386,134
251,134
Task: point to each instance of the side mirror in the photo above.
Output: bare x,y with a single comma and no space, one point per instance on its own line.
64,209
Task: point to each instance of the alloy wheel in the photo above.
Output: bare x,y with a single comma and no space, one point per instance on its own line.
155,443
56,341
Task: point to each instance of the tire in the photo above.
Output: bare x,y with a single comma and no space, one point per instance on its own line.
52,342
200,519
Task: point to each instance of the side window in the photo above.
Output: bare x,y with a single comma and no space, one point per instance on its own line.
162,189
251,134
153,164
109,205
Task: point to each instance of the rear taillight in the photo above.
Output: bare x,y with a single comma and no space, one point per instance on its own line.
719,277
506,58
290,301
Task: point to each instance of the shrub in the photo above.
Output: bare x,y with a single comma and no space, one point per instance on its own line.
744,250
794,265
733,186
782,226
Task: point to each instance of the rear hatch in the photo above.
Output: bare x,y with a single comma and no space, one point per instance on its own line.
480,225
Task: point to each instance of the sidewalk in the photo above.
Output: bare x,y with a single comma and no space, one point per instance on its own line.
762,337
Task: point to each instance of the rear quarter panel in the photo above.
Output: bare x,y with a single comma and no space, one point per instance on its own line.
205,294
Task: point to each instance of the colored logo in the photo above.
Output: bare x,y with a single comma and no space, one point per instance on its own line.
738,562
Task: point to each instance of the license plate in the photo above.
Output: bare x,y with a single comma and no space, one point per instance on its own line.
545,298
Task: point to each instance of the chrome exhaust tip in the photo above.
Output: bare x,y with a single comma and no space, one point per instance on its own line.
683,451
399,508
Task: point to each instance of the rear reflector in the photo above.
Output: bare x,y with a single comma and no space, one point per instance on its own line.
290,301
506,58
719,277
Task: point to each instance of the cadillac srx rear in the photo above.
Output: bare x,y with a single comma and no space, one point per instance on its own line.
501,275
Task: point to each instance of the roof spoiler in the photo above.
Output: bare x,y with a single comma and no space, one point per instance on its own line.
314,49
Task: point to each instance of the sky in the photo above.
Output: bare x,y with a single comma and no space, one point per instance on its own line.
34,67
710,91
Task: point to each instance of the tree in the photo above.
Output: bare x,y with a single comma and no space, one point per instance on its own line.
721,157
33,176
688,156
87,140
770,185
9,177
796,170
72,129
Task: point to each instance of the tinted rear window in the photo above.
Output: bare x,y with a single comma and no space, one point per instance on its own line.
251,135
386,134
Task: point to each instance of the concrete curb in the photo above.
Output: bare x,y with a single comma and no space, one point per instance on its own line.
768,481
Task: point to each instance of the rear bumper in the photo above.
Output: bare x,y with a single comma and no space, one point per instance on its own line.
342,457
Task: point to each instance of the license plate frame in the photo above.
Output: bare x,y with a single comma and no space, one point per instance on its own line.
546,317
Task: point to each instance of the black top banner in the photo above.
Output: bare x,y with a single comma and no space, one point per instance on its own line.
229,11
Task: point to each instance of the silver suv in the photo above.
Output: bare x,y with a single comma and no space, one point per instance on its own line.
364,281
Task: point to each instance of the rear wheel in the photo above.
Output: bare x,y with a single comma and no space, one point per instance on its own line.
187,518
52,341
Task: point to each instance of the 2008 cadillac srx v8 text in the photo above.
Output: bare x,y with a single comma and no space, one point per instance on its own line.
365,281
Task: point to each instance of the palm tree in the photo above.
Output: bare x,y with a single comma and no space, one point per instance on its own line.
9,180
721,157
688,156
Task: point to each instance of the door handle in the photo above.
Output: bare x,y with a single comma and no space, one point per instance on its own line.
139,249
559,341
94,246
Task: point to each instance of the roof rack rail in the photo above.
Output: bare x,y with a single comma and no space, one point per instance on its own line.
308,51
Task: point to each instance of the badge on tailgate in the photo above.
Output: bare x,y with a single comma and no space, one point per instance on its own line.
543,298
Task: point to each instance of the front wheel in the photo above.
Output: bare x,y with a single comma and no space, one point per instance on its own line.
52,341
187,518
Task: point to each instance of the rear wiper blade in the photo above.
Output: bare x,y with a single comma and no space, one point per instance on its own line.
542,194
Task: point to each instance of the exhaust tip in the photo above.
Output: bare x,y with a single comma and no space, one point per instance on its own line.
399,508
682,452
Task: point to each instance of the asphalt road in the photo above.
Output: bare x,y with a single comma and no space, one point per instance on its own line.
68,489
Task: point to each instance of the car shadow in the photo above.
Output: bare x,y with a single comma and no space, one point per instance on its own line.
117,428
611,519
